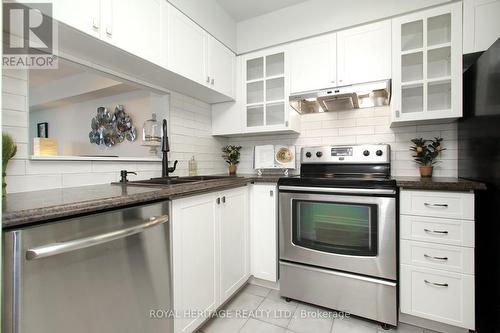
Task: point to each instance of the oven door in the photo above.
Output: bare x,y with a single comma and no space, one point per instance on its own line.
343,229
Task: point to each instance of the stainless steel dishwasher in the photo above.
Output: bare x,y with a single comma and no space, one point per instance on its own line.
103,272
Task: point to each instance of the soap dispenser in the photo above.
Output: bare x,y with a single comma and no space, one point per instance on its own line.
193,167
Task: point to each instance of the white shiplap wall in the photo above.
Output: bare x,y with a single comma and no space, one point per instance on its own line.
190,128
361,126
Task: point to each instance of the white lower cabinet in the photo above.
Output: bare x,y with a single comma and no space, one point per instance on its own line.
209,253
263,232
438,295
437,256
233,231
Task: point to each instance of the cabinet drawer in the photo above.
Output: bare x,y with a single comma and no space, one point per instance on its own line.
437,230
447,257
438,295
454,205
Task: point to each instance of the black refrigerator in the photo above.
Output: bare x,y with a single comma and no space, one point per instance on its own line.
479,159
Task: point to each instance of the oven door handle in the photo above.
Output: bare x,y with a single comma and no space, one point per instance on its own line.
337,190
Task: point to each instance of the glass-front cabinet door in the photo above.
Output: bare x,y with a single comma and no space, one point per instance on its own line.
335,227
265,90
427,67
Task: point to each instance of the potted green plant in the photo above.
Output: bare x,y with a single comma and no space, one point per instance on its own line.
9,149
232,155
426,152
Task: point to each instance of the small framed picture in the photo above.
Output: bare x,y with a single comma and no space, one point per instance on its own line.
43,130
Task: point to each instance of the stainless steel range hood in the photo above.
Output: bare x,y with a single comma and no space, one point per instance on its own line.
357,96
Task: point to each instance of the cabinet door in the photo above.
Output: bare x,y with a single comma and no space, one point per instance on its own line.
481,24
263,232
194,248
82,15
364,53
313,64
427,65
186,47
135,26
221,66
234,267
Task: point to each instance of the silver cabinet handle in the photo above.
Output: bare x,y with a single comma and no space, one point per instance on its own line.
426,204
435,258
212,82
77,244
271,193
95,23
218,201
109,30
208,79
443,232
223,199
444,285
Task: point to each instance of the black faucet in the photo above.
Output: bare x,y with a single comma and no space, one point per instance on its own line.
165,148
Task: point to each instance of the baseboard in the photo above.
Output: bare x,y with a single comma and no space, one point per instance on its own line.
264,283
430,324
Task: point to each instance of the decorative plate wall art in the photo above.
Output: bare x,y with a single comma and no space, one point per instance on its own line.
110,128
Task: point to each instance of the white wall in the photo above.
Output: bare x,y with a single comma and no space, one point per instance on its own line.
190,128
361,126
70,124
212,17
315,17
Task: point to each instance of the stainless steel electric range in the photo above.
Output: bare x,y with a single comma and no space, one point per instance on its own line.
337,227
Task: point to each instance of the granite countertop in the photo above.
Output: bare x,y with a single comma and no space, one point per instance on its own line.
438,184
21,209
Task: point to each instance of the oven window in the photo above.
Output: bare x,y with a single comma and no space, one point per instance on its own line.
335,227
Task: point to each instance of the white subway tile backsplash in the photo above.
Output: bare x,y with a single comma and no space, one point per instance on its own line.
360,127
91,178
19,134
339,123
14,86
16,167
14,118
356,130
59,167
14,102
25,183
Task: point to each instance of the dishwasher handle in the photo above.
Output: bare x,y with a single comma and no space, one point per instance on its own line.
58,248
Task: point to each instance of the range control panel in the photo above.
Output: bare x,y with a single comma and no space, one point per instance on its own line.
379,153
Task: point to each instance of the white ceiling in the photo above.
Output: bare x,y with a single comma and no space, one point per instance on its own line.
241,10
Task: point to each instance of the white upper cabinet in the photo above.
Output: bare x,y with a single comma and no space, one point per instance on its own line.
364,53
132,25
135,26
82,15
221,67
266,90
427,65
481,24
186,47
194,54
313,63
